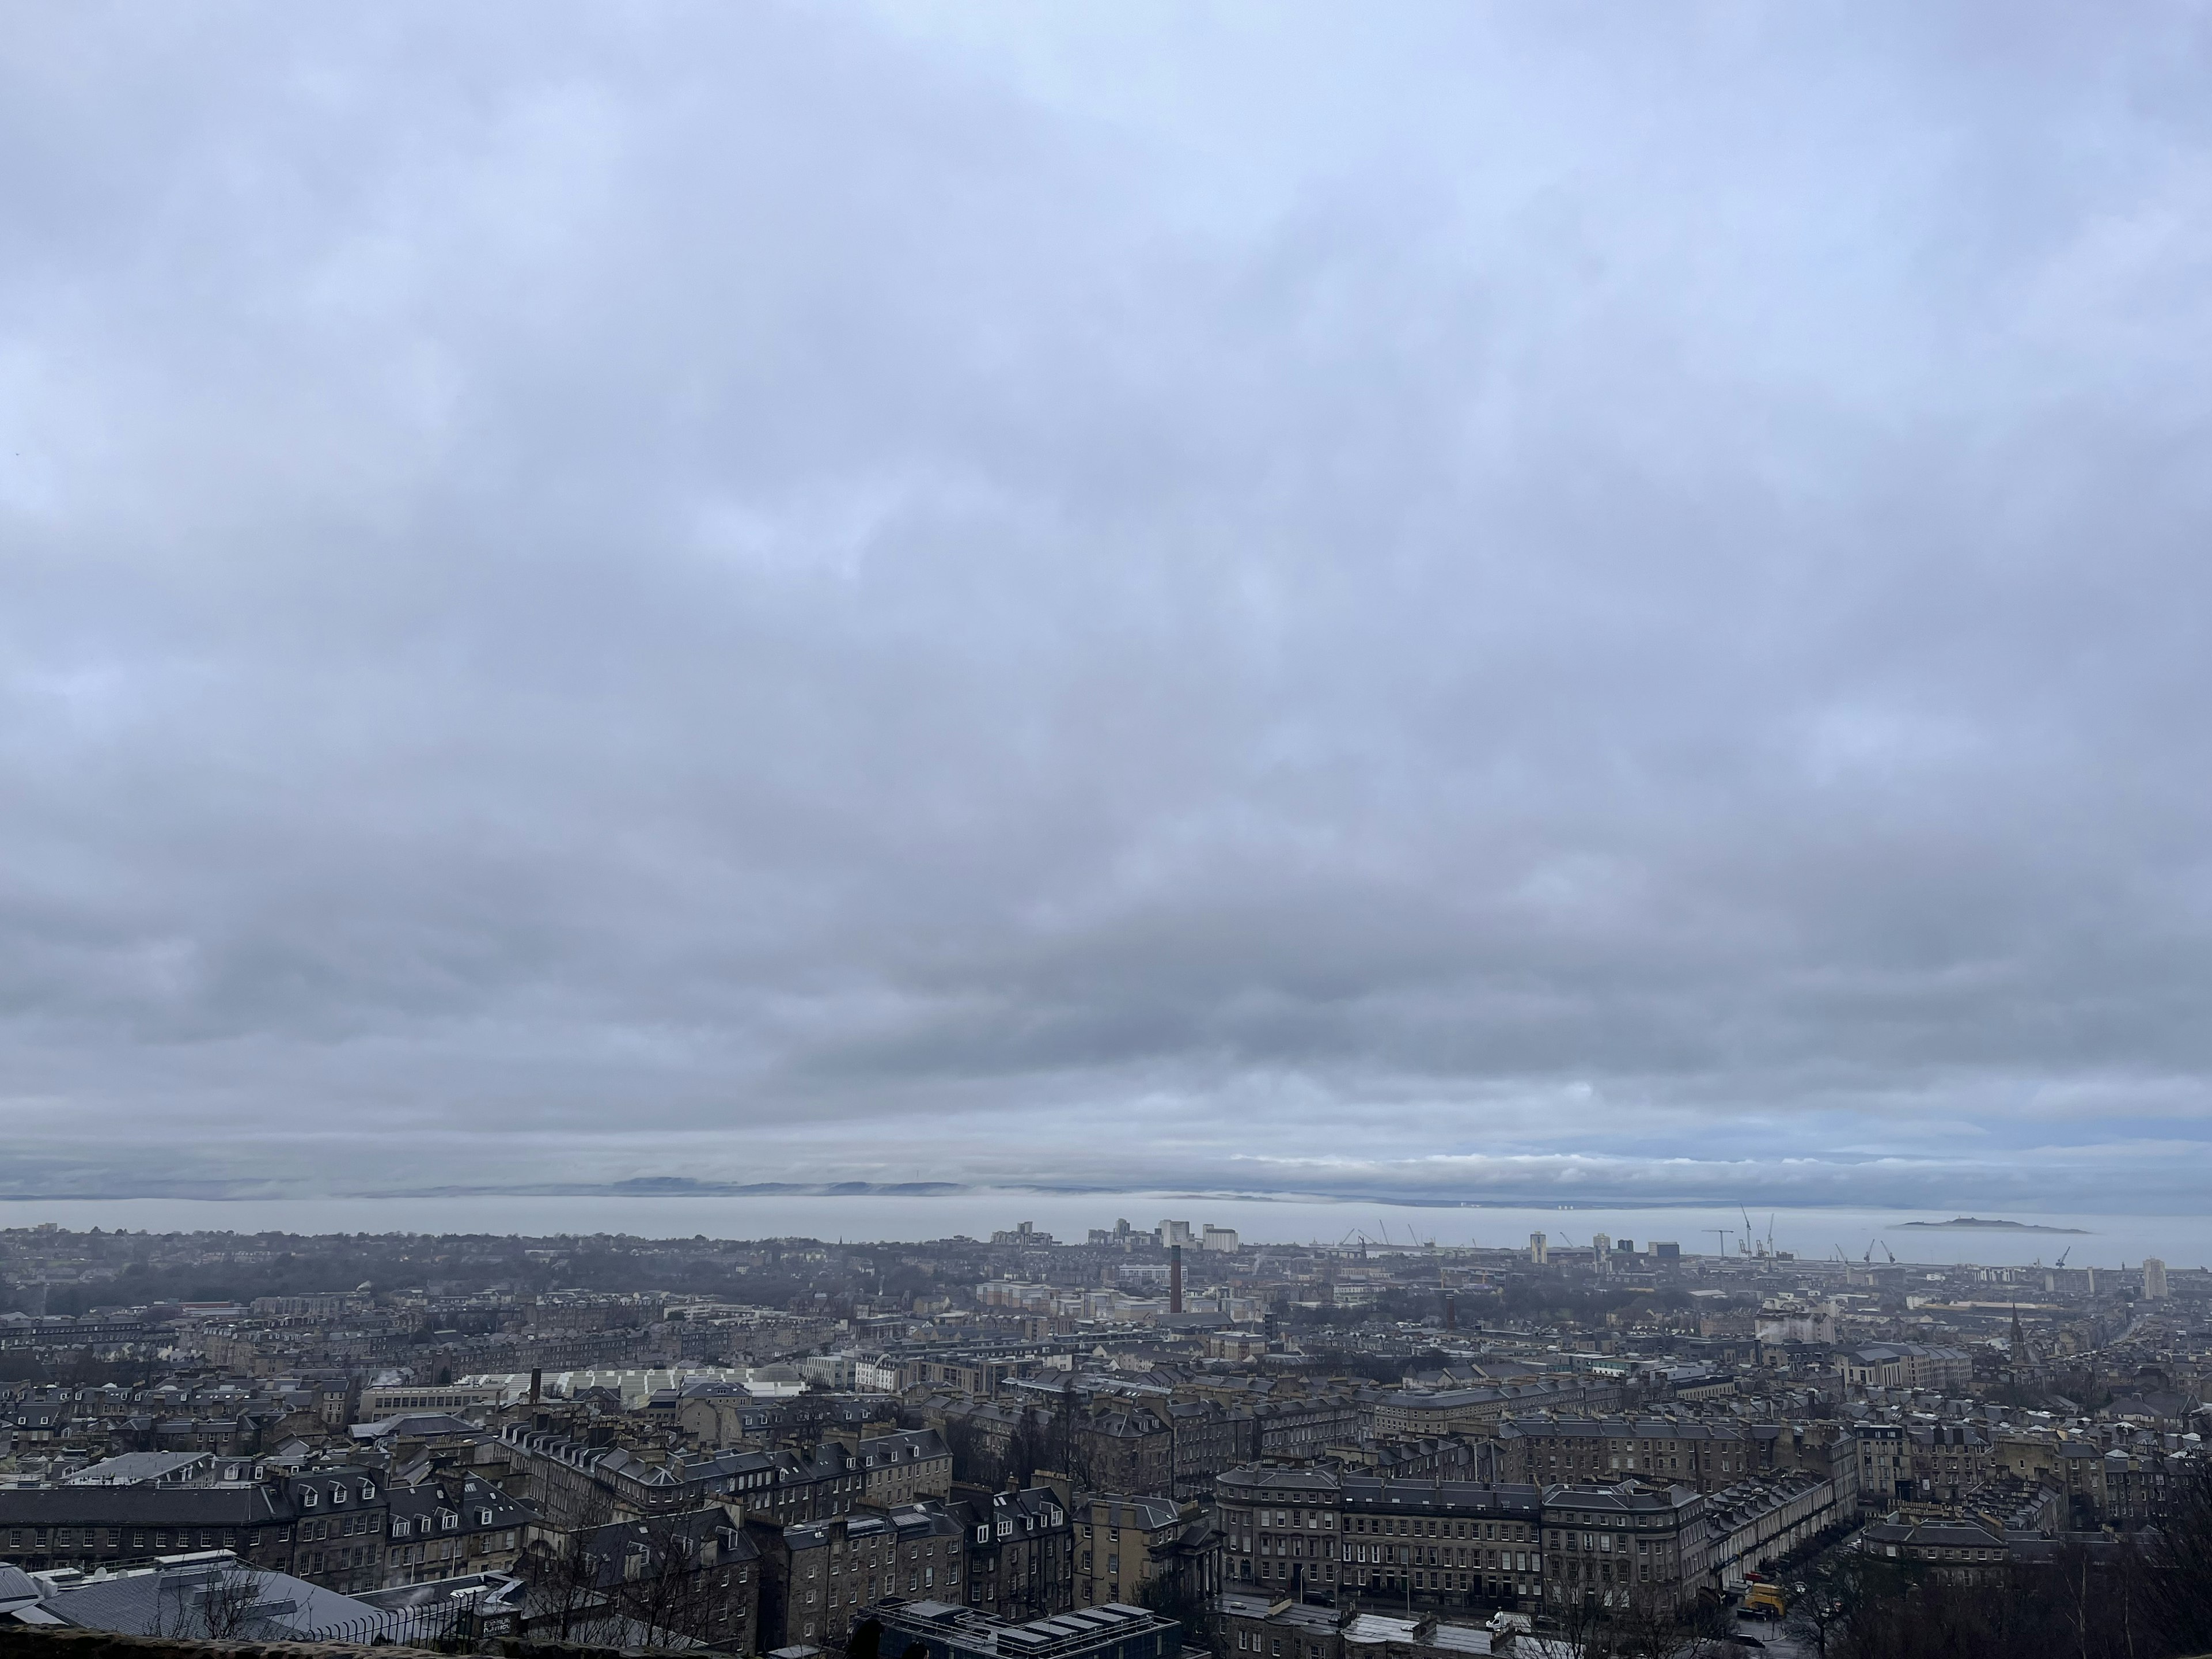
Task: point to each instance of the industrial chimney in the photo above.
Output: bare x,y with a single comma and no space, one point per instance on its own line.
1175,1279
1451,1311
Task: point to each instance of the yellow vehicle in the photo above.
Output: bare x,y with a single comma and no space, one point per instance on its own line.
1763,1601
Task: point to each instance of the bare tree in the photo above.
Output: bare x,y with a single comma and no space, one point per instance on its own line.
1170,1594
1581,1629
1822,1602
1648,1624
2174,1567
668,1584
971,1459
567,1596
218,1605
564,1596
1030,1450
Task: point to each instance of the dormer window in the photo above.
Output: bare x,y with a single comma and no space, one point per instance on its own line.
307,1499
399,1529
367,1492
337,1494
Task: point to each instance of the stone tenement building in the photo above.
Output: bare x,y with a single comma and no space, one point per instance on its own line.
1703,1454
1021,1553
1906,1365
816,1577
1124,1544
1611,1543
339,1528
1292,1531
1478,1411
703,1567
1126,1450
575,1484
902,1466
1297,1532
1008,1555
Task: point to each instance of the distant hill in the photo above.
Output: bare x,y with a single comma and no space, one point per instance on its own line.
1975,1224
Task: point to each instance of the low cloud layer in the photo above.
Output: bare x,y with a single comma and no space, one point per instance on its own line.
1456,604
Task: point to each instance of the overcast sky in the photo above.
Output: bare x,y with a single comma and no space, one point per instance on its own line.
1602,602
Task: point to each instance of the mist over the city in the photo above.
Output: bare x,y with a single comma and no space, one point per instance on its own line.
1431,604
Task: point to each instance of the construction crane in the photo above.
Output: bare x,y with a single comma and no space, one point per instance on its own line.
1726,1233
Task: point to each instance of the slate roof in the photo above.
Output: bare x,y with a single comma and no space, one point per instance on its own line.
284,1608
141,1506
1626,1498
1147,1514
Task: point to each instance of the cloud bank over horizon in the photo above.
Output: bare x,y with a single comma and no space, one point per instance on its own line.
1462,604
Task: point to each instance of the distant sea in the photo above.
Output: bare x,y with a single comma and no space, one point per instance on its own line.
2104,1241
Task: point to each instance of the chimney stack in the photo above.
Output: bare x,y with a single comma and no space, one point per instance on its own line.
1175,1279
1451,1311
537,1376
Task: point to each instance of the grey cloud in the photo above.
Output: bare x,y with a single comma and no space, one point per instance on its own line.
1476,605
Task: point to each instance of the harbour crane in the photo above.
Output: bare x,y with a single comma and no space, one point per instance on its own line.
1890,1254
2063,1254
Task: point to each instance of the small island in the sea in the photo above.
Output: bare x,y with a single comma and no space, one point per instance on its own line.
1975,1224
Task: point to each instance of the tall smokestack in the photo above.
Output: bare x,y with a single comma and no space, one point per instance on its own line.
1175,1279
1451,1311
537,1377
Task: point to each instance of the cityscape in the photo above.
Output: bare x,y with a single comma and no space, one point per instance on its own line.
1161,1438
1108,830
